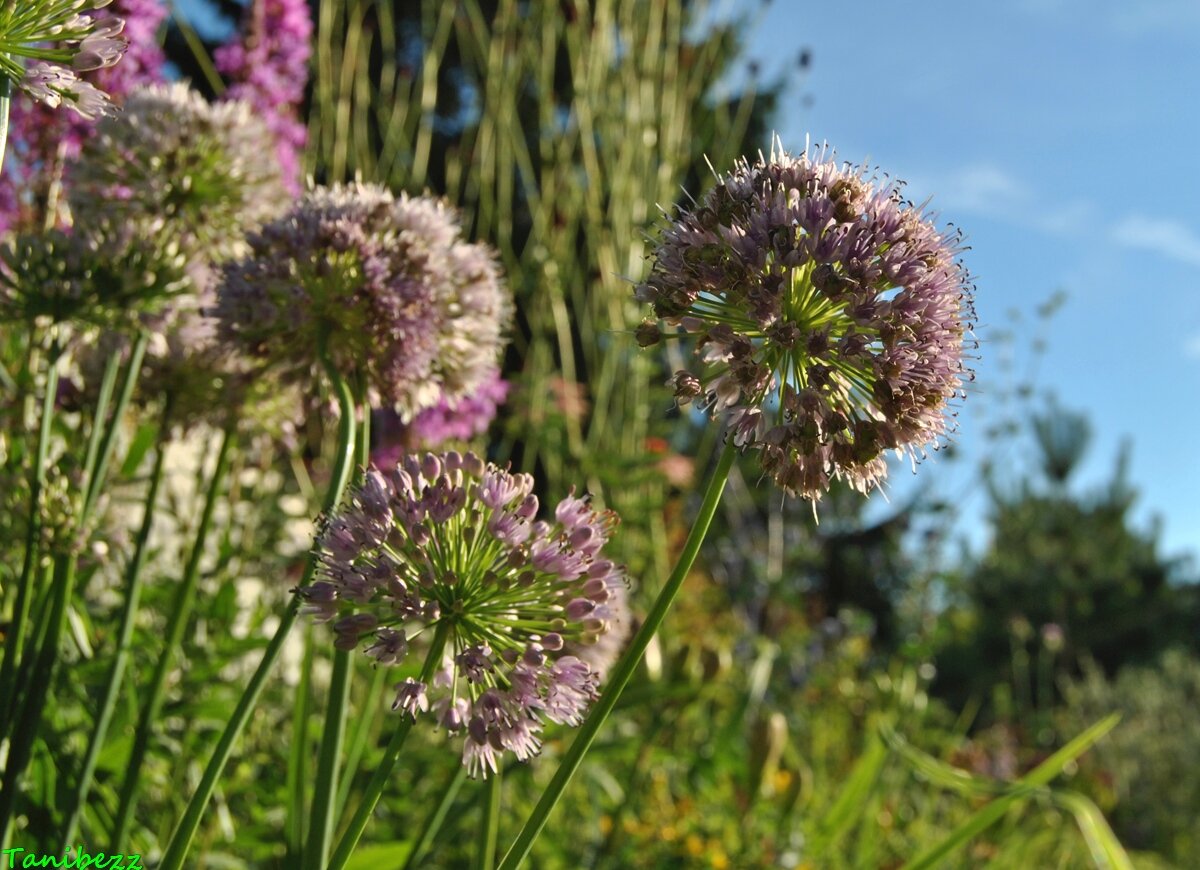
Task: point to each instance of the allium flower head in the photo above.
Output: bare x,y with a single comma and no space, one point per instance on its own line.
443,546
200,167
107,277
59,38
831,317
386,286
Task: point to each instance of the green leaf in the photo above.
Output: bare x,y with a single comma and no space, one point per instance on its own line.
992,812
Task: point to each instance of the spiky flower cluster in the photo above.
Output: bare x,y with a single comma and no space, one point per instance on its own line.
448,552
831,316
200,167
384,286
107,277
60,38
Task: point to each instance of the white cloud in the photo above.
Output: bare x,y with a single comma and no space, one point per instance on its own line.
989,190
1160,235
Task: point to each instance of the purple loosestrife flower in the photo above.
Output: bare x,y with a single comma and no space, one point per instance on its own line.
57,39
831,317
444,544
267,66
172,156
385,286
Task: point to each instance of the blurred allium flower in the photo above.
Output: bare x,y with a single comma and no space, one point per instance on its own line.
107,277
171,154
385,286
59,38
267,66
831,317
447,547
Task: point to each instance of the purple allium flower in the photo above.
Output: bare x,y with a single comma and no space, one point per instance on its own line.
445,546
831,317
267,66
60,38
173,157
385,286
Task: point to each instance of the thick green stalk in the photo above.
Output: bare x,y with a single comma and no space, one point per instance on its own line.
383,770
116,673
181,839
324,804
623,671
20,617
489,831
181,611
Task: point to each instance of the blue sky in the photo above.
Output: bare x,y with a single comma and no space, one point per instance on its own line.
1058,134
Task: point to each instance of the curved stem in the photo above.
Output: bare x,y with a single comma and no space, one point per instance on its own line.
181,839
325,789
383,770
181,611
624,669
434,823
116,673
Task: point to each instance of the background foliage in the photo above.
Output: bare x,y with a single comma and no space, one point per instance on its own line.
853,693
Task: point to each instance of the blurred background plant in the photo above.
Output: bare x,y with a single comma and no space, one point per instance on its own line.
854,693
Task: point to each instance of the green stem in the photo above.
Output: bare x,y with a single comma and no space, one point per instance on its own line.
320,823
489,831
333,733
358,740
181,610
185,832
20,618
434,823
96,479
5,104
624,669
116,674
23,737
383,770
298,756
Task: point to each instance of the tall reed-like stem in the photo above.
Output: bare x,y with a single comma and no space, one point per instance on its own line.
623,671
129,609
181,839
181,611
